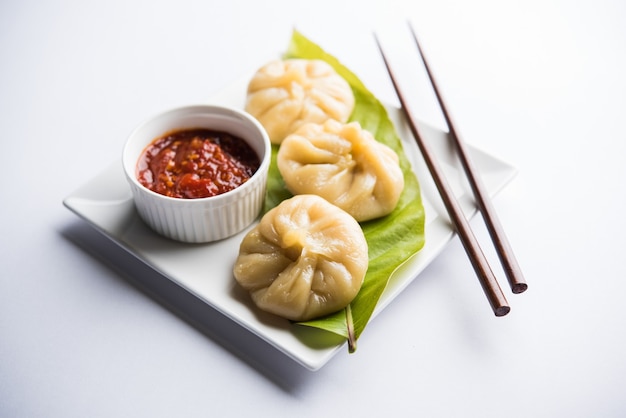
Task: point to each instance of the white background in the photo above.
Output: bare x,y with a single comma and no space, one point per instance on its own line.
539,84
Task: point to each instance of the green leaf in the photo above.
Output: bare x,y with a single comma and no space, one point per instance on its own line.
391,239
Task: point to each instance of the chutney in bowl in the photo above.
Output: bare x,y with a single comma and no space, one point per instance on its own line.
198,173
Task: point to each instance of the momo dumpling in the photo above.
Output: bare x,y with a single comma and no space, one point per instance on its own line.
345,165
305,259
283,95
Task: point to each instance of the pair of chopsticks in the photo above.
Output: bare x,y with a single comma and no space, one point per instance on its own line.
481,266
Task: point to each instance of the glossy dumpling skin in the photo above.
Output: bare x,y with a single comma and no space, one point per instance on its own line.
345,165
305,259
283,95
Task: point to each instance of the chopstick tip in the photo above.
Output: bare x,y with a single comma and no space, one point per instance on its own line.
502,310
519,288
375,35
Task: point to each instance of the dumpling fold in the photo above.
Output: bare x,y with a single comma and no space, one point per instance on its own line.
305,259
284,94
345,165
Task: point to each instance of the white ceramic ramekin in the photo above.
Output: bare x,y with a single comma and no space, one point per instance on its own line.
204,219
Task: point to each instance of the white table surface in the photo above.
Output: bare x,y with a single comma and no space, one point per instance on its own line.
539,84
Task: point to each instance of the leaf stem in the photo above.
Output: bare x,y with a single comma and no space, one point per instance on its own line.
350,328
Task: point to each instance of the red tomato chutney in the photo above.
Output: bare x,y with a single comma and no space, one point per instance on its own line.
196,163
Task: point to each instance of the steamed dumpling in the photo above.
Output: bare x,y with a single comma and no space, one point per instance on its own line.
345,165
283,95
305,259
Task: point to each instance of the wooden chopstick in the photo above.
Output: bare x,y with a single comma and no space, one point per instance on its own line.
500,241
481,266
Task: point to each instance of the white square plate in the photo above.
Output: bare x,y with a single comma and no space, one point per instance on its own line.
205,271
